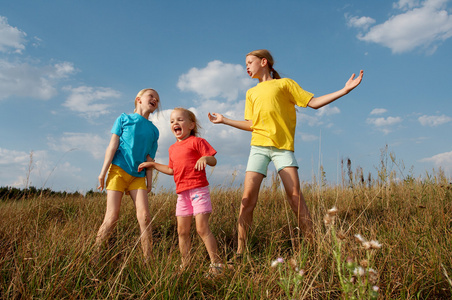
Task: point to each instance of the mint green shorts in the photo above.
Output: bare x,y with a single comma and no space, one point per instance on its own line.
261,156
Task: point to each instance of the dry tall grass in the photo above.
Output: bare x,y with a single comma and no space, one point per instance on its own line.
46,245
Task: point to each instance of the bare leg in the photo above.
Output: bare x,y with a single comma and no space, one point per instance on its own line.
253,182
183,231
291,182
140,198
111,217
202,227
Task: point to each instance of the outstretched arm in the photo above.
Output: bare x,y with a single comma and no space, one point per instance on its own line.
159,167
109,154
217,118
318,102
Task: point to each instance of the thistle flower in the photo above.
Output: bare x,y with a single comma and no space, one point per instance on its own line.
360,238
359,271
373,275
366,245
332,211
330,216
364,263
293,264
277,262
375,244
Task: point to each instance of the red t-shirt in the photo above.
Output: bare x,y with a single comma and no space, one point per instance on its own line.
183,156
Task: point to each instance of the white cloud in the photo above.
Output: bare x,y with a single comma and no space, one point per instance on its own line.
11,38
360,22
420,25
378,111
27,78
406,4
310,120
217,79
90,102
13,157
88,142
327,111
20,168
433,121
31,81
306,137
443,160
384,124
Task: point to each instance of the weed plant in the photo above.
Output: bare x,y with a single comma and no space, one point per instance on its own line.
46,245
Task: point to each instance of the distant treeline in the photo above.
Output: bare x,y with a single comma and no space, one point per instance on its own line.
12,193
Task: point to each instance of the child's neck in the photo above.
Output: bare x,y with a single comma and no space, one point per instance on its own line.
144,114
265,77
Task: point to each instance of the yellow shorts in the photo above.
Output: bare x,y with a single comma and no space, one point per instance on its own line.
119,180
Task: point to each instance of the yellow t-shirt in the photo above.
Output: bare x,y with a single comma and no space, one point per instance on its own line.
271,107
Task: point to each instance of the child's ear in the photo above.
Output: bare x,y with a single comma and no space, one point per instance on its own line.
264,62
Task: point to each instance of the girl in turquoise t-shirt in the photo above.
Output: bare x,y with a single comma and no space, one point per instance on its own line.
134,139
259,65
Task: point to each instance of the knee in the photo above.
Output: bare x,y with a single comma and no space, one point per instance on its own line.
183,232
203,231
248,204
110,221
143,218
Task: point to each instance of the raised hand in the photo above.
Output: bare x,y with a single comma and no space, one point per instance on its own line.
354,82
216,118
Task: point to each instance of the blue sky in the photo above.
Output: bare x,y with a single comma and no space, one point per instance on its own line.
68,69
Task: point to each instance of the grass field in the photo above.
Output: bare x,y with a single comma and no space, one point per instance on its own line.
46,246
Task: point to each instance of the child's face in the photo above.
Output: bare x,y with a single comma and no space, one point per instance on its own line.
255,66
181,125
149,101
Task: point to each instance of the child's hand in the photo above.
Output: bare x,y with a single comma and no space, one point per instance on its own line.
101,182
145,165
354,82
216,118
201,164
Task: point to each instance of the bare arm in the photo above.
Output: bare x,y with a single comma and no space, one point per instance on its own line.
109,154
204,161
318,102
159,167
217,118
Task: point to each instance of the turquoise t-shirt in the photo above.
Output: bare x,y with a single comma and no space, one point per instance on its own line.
137,138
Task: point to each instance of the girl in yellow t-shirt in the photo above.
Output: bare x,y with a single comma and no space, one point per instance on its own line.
271,117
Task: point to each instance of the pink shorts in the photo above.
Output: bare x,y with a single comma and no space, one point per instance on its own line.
193,202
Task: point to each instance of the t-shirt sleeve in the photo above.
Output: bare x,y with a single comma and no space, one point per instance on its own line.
205,149
117,126
300,96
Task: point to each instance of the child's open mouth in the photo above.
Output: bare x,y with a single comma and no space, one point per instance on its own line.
177,130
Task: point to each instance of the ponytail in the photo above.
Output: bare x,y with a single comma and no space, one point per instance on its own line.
274,74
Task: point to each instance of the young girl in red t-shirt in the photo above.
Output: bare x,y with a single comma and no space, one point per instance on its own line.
188,158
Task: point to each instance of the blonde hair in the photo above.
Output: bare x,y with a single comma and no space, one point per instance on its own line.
263,53
140,93
191,116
